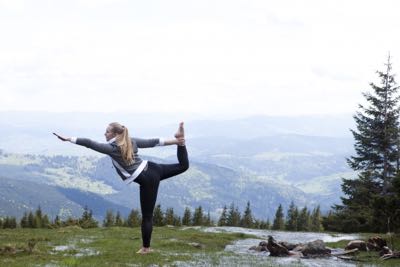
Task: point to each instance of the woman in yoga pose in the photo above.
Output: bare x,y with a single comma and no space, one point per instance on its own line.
123,151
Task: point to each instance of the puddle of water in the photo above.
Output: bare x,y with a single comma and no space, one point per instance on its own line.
245,257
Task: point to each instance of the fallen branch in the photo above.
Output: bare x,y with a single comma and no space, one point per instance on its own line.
394,255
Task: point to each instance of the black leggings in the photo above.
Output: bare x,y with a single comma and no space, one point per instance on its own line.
149,180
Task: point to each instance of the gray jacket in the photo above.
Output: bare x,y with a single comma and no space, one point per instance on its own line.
111,148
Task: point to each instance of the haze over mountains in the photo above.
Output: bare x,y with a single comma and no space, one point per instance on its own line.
264,160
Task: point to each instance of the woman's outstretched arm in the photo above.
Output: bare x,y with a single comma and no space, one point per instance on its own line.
96,146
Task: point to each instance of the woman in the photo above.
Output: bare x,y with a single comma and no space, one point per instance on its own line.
123,151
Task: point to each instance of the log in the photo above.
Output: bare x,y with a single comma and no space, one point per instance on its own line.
394,255
346,252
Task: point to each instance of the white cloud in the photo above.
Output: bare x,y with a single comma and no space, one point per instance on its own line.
233,57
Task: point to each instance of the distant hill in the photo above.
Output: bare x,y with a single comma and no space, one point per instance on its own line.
265,160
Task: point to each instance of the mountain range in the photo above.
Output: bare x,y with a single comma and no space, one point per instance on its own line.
265,160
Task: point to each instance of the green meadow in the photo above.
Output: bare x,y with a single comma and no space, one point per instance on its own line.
117,246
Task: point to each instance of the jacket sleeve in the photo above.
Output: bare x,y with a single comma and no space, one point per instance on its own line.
96,146
143,143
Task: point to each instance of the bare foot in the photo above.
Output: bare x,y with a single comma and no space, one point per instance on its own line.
181,132
144,250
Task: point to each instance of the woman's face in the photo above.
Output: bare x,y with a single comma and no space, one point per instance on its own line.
109,134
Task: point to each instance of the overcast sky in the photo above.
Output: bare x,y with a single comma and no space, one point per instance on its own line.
208,57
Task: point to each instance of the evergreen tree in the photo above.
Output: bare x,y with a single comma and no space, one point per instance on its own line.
169,216
57,222
177,221
223,219
303,223
187,217
109,220
279,222
316,220
37,222
24,220
247,220
233,216
369,202
207,219
291,218
1,223
118,220
10,222
87,220
134,218
158,216
198,216
46,221
31,220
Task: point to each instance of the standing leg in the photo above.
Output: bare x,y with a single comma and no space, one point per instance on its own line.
149,181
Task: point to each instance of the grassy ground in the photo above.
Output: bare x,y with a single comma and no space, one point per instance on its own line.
372,257
73,246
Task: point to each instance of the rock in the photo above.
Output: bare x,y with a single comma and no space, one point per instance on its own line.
315,248
288,245
263,243
376,243
259,248
276,249
358,244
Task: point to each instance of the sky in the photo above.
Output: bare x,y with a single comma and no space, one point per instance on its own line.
208,57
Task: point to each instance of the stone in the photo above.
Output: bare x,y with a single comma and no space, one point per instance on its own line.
275,249
315,248
358,244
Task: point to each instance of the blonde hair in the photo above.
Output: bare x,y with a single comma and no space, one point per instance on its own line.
123,141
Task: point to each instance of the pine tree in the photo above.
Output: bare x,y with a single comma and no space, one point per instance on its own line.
369,201
223,219
31,220
198,216
57,222
187,217
158,216
134,218
87,220
303,223
118,220
247,220
1,223
233,216
37,222
109,220
45,221
177,221
169,216
279,222
292,217
24,220
207,219
316,220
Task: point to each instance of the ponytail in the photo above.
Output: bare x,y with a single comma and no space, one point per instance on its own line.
123,141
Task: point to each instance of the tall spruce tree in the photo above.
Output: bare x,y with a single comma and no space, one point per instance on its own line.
369,203
223,219
292,217
247,220
279,221
187,217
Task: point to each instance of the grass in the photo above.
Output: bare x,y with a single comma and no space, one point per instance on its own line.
372,257
116,246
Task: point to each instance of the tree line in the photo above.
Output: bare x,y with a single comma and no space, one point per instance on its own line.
296,219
